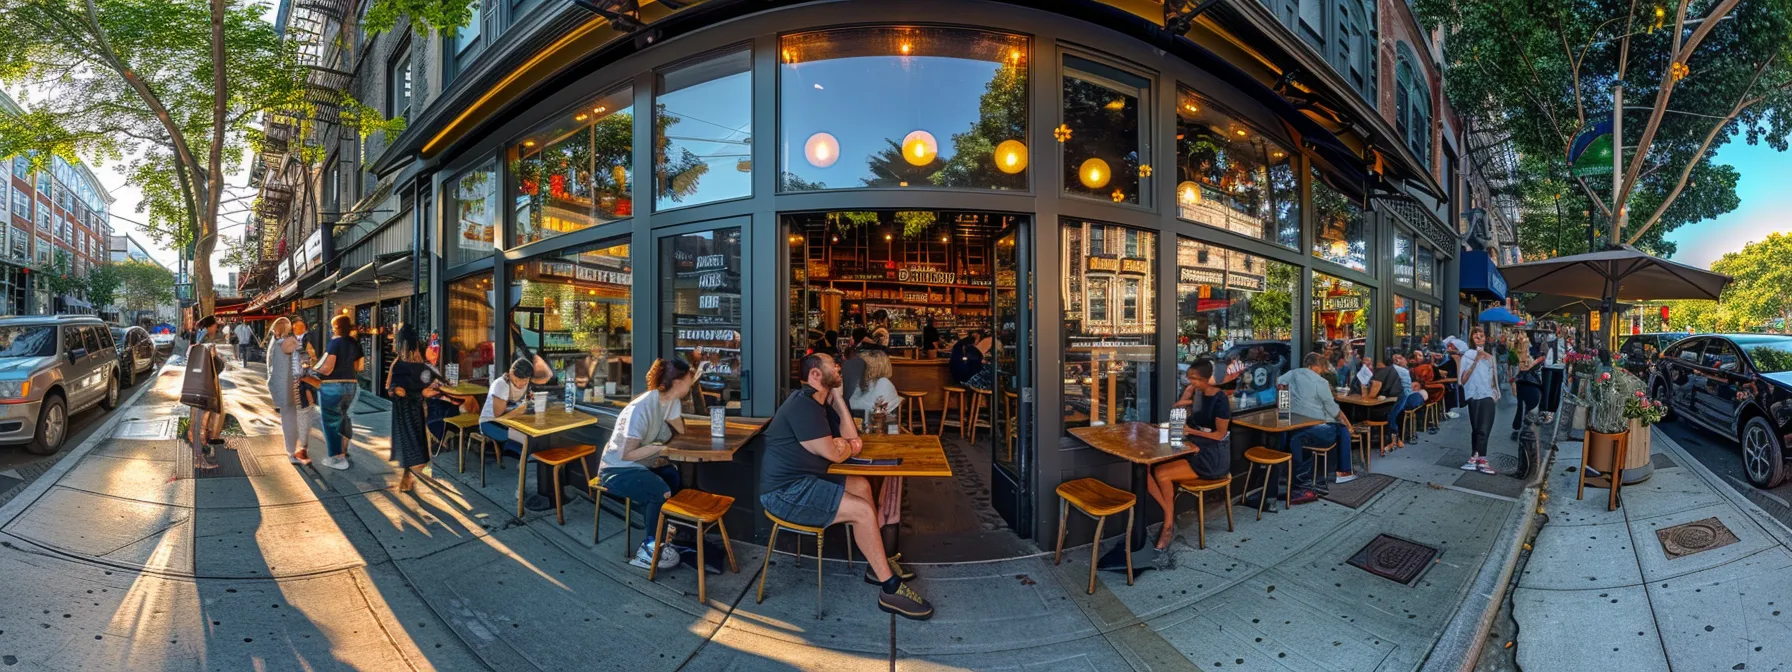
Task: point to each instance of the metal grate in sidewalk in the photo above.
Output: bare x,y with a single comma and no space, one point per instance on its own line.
1394,559
1698,536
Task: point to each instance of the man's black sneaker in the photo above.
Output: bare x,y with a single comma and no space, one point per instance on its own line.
905,602
1304,497
895,568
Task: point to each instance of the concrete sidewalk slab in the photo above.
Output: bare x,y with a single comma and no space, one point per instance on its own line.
1736,614
1592,629
1579,557
1656,564
1016,597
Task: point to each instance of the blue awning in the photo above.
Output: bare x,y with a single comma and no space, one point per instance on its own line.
1480,278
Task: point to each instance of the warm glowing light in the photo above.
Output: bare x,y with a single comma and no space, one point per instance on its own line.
1188,193
887,237
1094,173
1276,154
592,292
905,48
919,148
1011,156
822,150
599,109
1190,107
1014,55
945,239
1239,132
581,117
1116,104
1118,195
528,143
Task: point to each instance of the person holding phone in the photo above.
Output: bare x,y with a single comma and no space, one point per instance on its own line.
1208,429
631,465
1483,394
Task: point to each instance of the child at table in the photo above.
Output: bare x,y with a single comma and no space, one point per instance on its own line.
631,465
1211,458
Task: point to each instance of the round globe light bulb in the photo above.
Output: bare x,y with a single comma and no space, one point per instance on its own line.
1011,156
919,148
822,150
1188,193
1094,173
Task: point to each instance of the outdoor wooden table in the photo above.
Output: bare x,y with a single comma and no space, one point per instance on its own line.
1269,421
922,457
534,426
466,389
696,445
1135,442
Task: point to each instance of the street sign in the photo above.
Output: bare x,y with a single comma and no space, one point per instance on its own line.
1591,152
183,291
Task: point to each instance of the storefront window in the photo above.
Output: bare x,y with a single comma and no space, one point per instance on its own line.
1230,176
1427,266
1403,323
1109,355
1341,312
703,131
1403,259
574,172
1237,309
470,329
471,215
1342,235
1100,132
902,107
1424,326
572,308
701,313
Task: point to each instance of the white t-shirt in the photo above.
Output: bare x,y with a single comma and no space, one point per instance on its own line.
244,335
866,399
500,388
632,424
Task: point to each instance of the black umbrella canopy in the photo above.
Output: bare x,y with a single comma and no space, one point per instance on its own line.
1623,273
1545,304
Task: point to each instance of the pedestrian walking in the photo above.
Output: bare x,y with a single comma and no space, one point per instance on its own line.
1527,381
245,342
200,391
1479,387
631,465
342,357
286,364
1553,353
408,382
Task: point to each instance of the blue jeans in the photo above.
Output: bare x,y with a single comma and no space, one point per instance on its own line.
1319,435
500,435
336,398
1394,415
647,488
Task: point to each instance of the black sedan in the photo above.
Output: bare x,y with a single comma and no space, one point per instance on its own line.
1738,385
136,353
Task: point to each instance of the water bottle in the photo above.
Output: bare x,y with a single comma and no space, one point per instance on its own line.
1284,400
572,396
718,422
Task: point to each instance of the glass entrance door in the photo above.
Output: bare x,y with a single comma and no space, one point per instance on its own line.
1012,413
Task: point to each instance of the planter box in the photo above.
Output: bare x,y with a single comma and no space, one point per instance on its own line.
1602,447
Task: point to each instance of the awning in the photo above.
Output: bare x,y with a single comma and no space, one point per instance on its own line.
322,287
396,268
233,308
357,276
1480,278
273,296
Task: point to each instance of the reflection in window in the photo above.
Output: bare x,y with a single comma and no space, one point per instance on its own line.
1100,133
1403,323
471,215
1403,258
1237,309
574,172
1232,177
1340,312
703,131
902,107
1109,355
1342,235
469,328
1427,268
700,313
572,308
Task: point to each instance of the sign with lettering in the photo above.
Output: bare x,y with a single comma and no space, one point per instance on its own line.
283,270
1139,266
314,249
712,261
709,302
926,275
723,335
1342,303
1199,276
1249,282
1104,264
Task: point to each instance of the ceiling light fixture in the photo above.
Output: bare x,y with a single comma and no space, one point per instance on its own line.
821,150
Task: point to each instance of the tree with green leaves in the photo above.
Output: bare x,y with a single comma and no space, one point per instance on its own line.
1689,77
144,286
60,278
102,284
1762,274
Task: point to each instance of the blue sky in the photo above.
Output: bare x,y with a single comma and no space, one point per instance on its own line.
1766,203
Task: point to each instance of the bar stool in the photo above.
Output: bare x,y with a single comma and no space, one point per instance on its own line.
1360,429
558,458
914,409
695,508
597,516
1199,488
1011,411
458,425
482,441
1408,417
953,392
817,532
1324,456
979,402
1380,427
1097,500
1269,459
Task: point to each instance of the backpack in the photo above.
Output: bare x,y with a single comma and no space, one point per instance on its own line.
200,388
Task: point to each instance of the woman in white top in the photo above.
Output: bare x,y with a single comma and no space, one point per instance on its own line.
875,385
631,465
286,362
504,394
1479,387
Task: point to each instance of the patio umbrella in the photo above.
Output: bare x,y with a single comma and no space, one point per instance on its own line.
1500,315
1545,304
1621,273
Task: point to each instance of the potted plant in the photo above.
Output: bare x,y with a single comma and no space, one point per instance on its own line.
1608,427
1643,413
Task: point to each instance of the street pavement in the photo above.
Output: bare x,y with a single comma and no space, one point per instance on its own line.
120,558
19,467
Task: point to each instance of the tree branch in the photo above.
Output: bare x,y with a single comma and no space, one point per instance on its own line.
1743,102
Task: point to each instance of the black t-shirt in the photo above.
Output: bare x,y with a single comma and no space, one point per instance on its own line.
1215,458
347,353
798,419
1390,381
412,377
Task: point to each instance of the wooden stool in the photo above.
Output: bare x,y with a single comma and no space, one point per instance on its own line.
696,508
1011,411
1324,454
817,532
1380,428
1362,430
1098,500
914,409
1408,417
953,392
557,458
1269,459
979,402
459,425
482,441
1199,487
628,529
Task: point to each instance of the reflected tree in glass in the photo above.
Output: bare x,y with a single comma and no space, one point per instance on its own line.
1003,109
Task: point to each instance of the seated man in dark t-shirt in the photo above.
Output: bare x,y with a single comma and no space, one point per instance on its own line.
810,432
1207,432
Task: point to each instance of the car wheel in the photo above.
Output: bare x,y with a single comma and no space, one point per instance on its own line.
1660,393
127,375
52,427
1763,459
111,400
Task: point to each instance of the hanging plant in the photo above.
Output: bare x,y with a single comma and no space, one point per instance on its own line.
915,222
849,220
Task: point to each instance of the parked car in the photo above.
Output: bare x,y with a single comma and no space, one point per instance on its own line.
52,367
136,353
1738,385
1639,351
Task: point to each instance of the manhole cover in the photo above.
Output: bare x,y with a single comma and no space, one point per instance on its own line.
1503,463
1394,559
145,429
1700,535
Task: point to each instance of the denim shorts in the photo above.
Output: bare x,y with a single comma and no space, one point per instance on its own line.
811,502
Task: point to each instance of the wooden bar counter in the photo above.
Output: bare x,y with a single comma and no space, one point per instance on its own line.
923,375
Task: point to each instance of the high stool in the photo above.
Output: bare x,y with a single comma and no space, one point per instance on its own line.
1199,488
979,402
1380,428
597,517
1011,411
1324,461
817,532
1408,417
697,509
557,458
1098,500
482,442
1269,459
914,409
1362,430
953,393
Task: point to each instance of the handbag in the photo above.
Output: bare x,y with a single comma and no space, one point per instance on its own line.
200,387
1530,377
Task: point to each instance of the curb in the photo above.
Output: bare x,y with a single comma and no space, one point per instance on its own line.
1458,648
1773,526
25,498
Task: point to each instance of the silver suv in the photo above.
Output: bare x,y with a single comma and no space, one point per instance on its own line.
51,367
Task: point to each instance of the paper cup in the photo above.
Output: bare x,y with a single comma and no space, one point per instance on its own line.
541,403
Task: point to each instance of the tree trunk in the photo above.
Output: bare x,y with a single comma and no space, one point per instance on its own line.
205,239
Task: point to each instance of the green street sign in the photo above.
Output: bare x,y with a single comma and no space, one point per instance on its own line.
1591,152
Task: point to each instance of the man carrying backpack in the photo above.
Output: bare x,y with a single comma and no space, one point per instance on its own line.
200,391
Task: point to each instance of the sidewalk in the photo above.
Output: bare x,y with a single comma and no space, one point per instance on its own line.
115,565
1603,590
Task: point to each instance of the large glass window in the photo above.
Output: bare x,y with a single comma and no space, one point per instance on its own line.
1110,327
574,172
700,313
1237,309
1403,323
902,107
1403,258
1100,130
1229,176
572,308
1341,312
1342,234
703,131
470,218
1427,268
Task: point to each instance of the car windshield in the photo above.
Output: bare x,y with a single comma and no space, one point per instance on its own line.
27,341
118,335
1771,356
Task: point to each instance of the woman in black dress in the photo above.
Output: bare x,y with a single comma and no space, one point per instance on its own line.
406,384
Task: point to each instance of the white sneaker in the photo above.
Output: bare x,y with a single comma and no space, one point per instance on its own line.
1471,465
292,459
1345,478
644,555
1453,414
339,463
